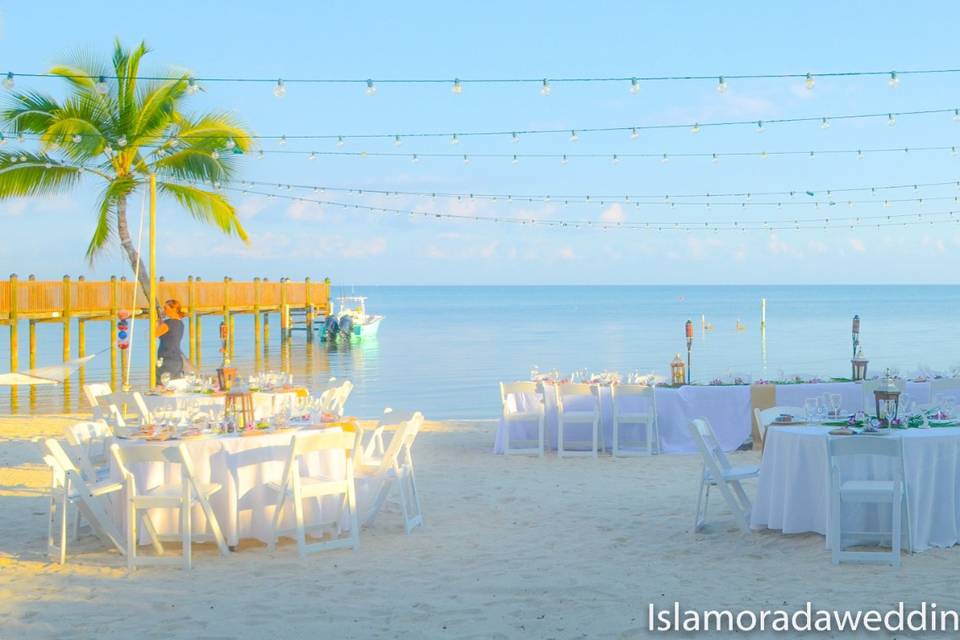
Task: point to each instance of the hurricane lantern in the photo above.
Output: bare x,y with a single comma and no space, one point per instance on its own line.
887,399
859,366
677,370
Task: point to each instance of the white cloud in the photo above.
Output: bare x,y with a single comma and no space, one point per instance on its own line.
250,207
780,247
366,249
857,245
566,253
614,213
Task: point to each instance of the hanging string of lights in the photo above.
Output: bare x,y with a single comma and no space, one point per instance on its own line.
615,158
574,133
810,197
904,219
544,84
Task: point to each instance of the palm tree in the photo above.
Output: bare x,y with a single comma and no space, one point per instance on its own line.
119,129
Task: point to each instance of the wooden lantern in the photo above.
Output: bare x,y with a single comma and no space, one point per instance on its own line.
887,399
225,377
678,370
859,366
239,407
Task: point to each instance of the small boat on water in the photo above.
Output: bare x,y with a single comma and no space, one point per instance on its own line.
741,326
350,320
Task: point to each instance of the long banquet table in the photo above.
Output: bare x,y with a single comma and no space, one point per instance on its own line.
242,465
265,403
793,491
727,407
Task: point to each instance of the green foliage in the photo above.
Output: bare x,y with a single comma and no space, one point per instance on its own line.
134,129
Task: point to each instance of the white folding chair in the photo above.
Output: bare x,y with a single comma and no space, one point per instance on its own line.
340,398
515,398
68,487
90,443
182,495
396,467
634,404
869,386
763,418
847,492
295,488
93,391
718,472
571,396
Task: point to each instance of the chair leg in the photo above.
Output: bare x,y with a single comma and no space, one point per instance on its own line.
896,529
64,508
354,520
301,532
540,436
735,506
51,520
596,438
186,533
278,512
560,437
75,535
701,515
214,525
131,535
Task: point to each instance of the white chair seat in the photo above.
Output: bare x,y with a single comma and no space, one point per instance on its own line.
736,473
867,490
585,416
519,416
630,417
310,484
176,491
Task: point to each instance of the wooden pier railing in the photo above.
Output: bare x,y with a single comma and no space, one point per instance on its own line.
79,301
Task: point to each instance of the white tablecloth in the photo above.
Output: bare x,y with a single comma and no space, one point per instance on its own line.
244,507
727,408
793,494
265,404
851,393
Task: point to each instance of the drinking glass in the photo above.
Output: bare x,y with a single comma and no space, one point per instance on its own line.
835,400
810,409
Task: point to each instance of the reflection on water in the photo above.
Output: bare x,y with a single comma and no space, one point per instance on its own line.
443,349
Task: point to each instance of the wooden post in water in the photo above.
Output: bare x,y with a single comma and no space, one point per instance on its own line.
197,329
32,353
14,341
309,311
226,316
257,292
112,331
284,318
81,344
67,314
191,307
266,326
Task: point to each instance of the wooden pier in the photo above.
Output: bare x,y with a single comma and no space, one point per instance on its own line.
80,301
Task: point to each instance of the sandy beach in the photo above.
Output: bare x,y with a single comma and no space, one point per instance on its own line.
512,547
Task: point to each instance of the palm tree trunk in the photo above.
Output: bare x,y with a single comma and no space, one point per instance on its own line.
143,276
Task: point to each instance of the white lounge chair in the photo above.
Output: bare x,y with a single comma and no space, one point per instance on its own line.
718,472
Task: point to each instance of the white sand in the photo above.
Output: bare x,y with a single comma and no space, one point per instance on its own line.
512,547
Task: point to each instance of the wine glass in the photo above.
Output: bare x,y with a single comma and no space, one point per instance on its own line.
835,400
810,408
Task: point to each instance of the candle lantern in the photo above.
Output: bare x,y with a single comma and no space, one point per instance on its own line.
677,370
225,377
689,333
859,365
238,410
887,399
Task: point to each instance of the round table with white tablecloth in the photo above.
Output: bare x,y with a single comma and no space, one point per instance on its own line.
265,404
793,492
242,465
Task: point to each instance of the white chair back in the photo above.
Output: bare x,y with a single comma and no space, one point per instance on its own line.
717,471
713,455
763,418
567,391
634,404
90,442
93,391
340,397
514,394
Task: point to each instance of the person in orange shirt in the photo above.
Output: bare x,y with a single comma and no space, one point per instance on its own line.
170,333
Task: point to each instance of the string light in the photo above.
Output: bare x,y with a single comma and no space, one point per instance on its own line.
634,134
545,88
283,140
809,82
515,160
573,136
312,156
956,115
457,86
280,90
340,141
563,159
514,138
192,87
122,141
76,139
759,126
634,86
215,154
894,81
414,158
101,86
371,88
9,82
230,144
695,128
824,124
722,85
891,120
454,139
616,160
466,159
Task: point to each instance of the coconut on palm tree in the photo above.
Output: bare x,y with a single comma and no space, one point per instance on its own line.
115,128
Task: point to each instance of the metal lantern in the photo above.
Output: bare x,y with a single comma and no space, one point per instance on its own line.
887,399
859,365
677,370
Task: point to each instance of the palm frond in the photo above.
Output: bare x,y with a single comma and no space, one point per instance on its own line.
116,190
206,206
194,165
213,128
29,112
77,76
36,175
157,103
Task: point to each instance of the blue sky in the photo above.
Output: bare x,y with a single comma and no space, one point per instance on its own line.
529,39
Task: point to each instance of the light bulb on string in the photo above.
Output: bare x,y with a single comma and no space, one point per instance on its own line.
634,86
665,159
396,141
894,81
76,138
122,141
340,141
280,89
545,87
515,160
956,115
8,82
101,86
695,128
891,120
722,85
616,159
312,156
215,154
514,138
573,136
859,154
230,144
192,87
3,140
371,88
466,159
454,139
714,159
414,158
457,86
824,123
283,140
809,82
634,134
563,159
21,138
260,155
760,126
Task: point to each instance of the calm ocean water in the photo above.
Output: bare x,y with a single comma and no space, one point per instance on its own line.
443,349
